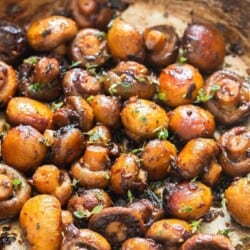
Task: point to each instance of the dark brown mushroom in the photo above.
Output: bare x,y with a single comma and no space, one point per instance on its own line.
13,43
117,224
14,191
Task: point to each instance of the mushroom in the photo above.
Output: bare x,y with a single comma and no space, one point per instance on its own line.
190,121
92,170
169,232
230,99
48,179
234,151
89,47
106,110
85,239
195,157
13,42
67,146
8,83
207,241
27,111
156,158
49,32
204,46
39,78
140,243
79,82
162,43
25,142
179,84
143,119
14,191
90,13
125,42
76,111
237,201
188,200
129,79
126,174
117,224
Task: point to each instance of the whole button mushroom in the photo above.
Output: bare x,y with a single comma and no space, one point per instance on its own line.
50,32
125,42
23,148
204,46
140,243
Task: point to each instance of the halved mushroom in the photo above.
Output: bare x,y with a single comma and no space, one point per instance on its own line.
14,191
117,224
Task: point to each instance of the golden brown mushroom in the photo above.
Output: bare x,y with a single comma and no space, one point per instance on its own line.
8,83
14,191
48,33
140,243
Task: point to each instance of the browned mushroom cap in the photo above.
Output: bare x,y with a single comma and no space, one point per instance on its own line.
156,157
67,147
125,42
27,111
207,242
238,202
90,13
13,42
204,46
76,111
126,174
162,45
106,110
170,232
99,135
231,99
18,192
89,47
188,200
39,78
234,156
117,224
190,121
78,82
140,243
23,148
195,157
49,32
129,79
85,239
8,83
